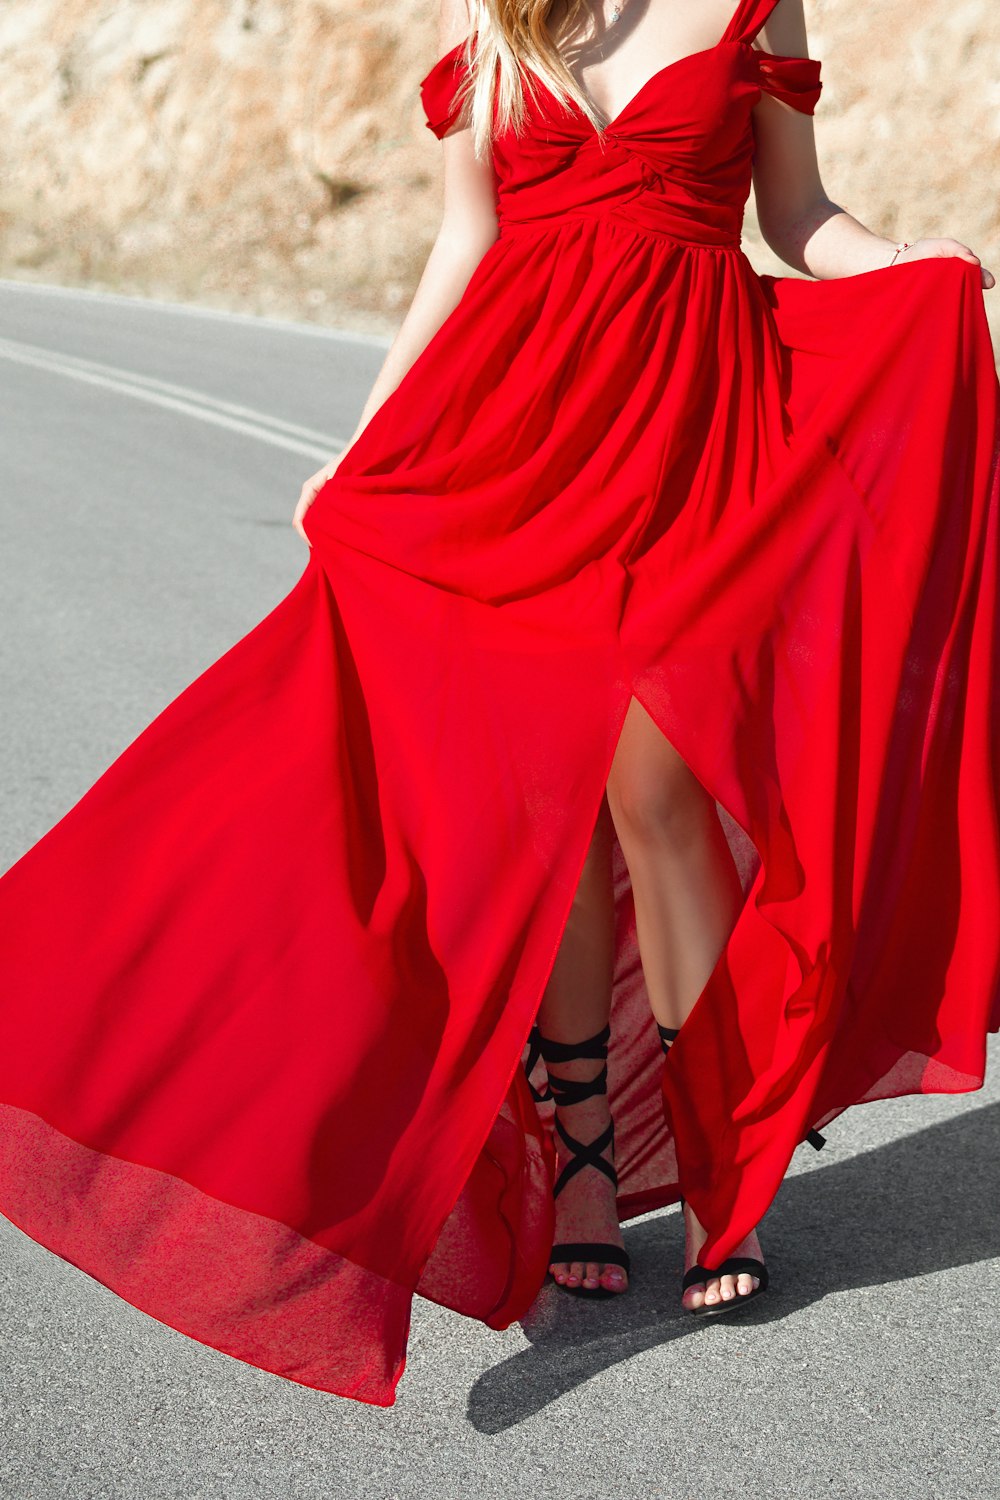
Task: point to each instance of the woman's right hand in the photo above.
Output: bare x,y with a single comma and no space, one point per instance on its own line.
310,490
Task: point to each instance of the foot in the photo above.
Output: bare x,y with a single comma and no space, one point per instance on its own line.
585,1209
716,1289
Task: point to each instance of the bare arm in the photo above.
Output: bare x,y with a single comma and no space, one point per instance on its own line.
468,228
797,219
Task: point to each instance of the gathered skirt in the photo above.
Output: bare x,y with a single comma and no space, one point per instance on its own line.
266,989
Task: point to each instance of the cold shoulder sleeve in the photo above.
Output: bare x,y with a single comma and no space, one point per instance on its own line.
794,80
438,89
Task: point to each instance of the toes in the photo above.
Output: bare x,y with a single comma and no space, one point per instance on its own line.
720,1289
592,1276
614,1279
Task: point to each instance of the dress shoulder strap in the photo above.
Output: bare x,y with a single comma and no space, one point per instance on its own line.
747,20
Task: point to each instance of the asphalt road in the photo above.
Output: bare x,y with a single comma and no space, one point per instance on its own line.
149,462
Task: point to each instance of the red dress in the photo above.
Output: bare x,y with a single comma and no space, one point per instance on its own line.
266,988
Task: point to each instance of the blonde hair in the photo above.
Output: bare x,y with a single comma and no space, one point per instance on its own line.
514,34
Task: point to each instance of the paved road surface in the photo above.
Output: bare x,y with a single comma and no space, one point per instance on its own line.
149,462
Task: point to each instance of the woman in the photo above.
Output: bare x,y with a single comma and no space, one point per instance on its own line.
650,614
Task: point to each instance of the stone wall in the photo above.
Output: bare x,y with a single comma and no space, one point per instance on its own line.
271,155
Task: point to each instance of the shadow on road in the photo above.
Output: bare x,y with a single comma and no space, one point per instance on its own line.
925,1203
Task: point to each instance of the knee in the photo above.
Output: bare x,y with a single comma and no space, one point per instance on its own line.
665,810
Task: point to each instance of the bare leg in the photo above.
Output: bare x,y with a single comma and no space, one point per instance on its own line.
576,1005
687,896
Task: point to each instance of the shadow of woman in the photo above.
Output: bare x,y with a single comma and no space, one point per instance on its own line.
922,1204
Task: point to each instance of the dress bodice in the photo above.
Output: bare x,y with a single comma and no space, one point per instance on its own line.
676,160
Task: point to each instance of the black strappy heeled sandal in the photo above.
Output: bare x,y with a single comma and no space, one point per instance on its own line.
565,1091
735,1265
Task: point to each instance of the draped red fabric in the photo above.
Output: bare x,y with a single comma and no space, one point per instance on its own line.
266,988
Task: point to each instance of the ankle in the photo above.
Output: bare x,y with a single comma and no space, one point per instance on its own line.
578,1077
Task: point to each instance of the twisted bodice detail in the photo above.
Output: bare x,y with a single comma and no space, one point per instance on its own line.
675,161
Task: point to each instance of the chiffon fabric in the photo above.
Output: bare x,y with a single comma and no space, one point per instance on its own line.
266,989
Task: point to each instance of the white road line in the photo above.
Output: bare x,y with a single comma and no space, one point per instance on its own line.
182,392
191,403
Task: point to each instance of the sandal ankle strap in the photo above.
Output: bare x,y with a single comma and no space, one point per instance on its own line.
595,1047
540,1096
574,1090
569,1091
586,1154
668,1035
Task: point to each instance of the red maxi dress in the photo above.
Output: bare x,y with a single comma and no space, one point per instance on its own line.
266,989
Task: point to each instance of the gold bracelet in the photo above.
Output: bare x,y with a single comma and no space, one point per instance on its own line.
903,245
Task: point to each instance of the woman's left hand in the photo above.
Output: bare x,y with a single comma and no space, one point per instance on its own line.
928,248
